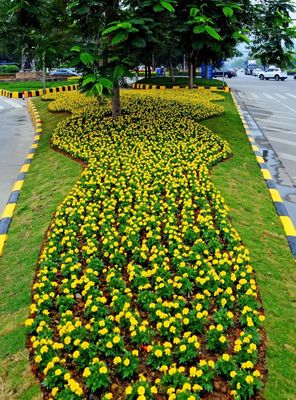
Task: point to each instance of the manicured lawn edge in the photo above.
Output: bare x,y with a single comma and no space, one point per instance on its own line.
166,81
51,177
253,215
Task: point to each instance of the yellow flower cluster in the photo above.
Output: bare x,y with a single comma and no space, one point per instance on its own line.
142,280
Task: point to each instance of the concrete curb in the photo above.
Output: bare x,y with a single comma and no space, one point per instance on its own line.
7,214
39,92
159,87
280,207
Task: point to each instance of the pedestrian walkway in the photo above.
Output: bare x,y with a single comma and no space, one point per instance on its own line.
16,135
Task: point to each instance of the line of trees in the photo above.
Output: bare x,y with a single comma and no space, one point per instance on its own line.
107,38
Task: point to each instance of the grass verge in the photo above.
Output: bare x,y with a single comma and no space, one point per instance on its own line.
239,179
166,81
33,85
51,177
253,215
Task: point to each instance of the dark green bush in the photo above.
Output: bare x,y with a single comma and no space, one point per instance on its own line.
9,69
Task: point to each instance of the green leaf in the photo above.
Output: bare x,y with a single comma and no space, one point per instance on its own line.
89,79
76,48
212,32
199,29
118,38
157,8
228,12
125,25
86,58
139,42
118,72
99,88
110,30
105,83
194,12
167,6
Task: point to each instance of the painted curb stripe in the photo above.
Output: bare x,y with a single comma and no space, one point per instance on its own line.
153,87
4,224
34,93
280,207
3,239
8,212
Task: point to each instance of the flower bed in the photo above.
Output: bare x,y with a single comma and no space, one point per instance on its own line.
144,289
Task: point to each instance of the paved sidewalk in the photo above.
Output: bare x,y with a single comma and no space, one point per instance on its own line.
16,136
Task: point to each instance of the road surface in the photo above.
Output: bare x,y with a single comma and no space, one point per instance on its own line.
272,106
16,137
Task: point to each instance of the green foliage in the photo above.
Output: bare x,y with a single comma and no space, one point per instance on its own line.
9,69
274,33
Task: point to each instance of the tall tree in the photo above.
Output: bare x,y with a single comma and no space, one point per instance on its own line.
274,32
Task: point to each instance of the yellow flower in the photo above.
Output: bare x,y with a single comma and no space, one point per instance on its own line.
256,373
233,374
183,347
154,390
58,372
117,360
86,372
225,357
141,390
249,379
158,353
67,340
103,370
126,362
54,391
29,322
128,390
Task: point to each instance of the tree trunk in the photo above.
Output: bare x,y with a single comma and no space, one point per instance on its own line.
23,60
190,72
116,110
33,65
171,67
153,60
146,72
43,72
194,69
149,71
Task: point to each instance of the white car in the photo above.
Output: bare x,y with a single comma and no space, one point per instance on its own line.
257,71
273,73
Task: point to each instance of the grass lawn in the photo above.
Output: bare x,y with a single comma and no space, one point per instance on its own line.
239,179
35,85
50,178
166,81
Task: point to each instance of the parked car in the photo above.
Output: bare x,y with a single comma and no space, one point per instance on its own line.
228,73
63,72
294,76
273,73
257,71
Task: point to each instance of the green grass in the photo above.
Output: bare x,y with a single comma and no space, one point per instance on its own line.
33,85
166,81
253,215
50,178
252,212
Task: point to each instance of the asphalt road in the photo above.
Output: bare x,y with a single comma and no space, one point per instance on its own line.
16,137
272,105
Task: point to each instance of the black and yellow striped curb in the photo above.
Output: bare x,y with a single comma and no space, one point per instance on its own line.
160,87
281,209
39,92
7,214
